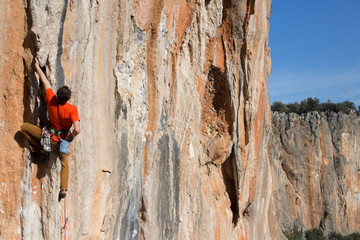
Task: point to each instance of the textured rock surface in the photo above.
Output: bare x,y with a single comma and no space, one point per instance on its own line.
315,160
174,108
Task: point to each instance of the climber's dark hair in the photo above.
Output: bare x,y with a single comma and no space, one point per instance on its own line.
63,94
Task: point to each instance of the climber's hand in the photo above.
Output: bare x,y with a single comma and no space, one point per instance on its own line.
37,66
36,62
42,76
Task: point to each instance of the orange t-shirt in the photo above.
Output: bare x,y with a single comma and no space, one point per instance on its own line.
67,113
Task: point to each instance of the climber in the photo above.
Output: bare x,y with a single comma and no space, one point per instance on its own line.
62,115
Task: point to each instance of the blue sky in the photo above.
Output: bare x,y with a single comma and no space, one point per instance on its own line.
315,50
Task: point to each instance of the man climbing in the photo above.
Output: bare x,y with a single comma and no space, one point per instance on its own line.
62,116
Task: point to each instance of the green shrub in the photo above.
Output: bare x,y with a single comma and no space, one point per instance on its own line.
310,105
313,104
339,236
317,234
279,107
294,234
354,236
336,236
314,234
293,107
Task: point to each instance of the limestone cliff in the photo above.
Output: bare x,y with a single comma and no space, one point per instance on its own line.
315,161
175,115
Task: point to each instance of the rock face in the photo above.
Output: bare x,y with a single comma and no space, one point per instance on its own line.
315,161
175,116
176,138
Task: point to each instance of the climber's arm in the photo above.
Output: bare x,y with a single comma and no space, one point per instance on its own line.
42,76
75,132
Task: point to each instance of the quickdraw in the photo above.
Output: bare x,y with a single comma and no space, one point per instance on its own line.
45,139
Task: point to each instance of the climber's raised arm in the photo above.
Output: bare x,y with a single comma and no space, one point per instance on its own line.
42,75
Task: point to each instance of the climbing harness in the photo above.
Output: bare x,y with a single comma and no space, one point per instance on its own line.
64,228
56,134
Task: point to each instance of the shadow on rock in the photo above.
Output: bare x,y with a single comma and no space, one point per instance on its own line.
43,161
20,139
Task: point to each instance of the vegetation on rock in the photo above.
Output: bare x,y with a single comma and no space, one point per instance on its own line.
294,234
313,104
339,236
314,234
317,234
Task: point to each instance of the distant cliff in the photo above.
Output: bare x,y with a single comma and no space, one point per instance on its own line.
316,166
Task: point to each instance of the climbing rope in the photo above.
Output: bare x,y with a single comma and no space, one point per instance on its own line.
63,229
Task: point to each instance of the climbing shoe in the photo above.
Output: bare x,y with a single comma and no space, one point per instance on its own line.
62,194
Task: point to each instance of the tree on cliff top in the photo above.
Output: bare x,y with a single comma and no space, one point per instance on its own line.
313,104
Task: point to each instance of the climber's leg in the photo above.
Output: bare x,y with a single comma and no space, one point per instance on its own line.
64,174
33,135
